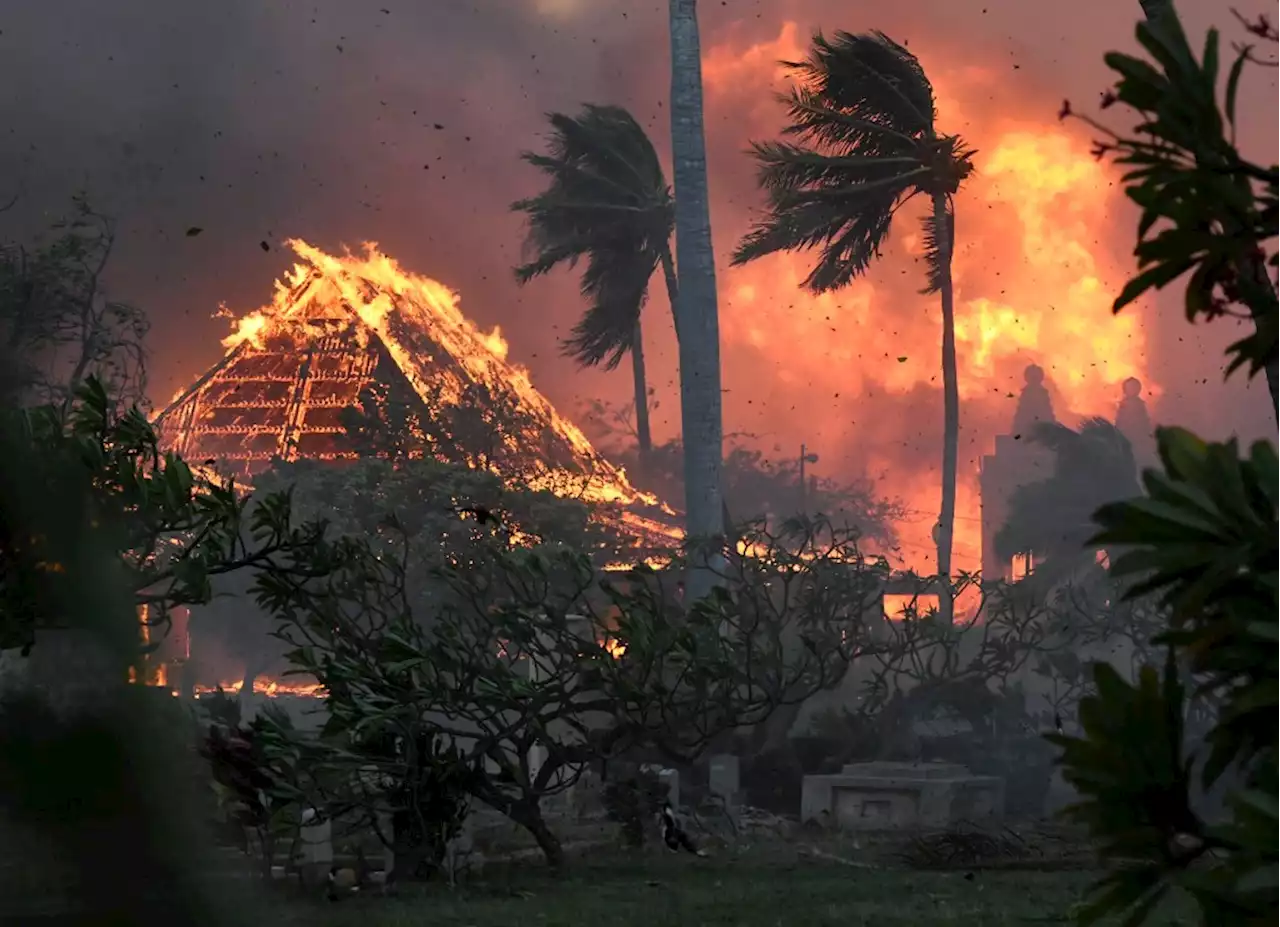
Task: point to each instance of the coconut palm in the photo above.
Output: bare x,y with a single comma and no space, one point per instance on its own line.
1052,519
863,117
608,202
696,308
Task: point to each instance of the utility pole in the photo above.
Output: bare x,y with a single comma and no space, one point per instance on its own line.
805,458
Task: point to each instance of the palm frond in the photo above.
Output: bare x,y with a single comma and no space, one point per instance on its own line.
616,285
863,114
870,77
784,166
607,201
849,232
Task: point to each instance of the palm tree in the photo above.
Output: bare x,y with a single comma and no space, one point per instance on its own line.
1053,519
696,308
863,114
1157,12
608,202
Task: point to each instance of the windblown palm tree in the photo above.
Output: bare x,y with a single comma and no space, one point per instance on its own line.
864,116
607,202
1053,519
702,426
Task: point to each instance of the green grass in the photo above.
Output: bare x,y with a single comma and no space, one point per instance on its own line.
751,890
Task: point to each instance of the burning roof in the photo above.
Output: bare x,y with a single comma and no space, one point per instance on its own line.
340,329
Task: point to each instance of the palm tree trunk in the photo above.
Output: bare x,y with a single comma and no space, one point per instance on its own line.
673,289
643,437
944,219
697,313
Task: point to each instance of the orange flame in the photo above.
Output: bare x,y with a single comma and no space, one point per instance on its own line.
1033,276
271,688
385,297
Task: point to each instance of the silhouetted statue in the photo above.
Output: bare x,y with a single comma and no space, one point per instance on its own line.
1132,419
1034,405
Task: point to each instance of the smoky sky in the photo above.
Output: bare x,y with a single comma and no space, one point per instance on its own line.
341,121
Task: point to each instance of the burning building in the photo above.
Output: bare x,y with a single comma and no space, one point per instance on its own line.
344,332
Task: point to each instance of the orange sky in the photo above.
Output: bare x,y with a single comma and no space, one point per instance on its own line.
338,122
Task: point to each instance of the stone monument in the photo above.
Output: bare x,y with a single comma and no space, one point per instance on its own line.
885,796
1017,461
1134,422
722,777
1034,405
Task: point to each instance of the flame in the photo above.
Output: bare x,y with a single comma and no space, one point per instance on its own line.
1033,274
388,299
249,328
898,607
614,647
271,688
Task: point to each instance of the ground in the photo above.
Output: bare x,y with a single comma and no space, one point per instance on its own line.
751,889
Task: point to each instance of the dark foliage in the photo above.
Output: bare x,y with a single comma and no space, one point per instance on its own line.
608,203
633,800
1053,518
863,113
58,326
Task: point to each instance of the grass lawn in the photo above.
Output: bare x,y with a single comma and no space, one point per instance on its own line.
753,889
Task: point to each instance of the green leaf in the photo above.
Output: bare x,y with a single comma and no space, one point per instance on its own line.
1265,878
1233,85
1156,277
1262,807
1209,60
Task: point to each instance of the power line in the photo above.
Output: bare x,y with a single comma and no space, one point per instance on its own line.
924,514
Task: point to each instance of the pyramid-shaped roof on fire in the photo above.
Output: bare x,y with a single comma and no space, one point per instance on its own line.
339,326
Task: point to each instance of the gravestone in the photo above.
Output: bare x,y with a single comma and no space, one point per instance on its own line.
388,855
722,778
315,849
670,778
586,798
885,796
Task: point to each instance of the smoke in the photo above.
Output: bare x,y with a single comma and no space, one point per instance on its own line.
340,121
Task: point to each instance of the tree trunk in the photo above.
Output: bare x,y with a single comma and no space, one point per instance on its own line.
696,310
416,853
944,218
529,816
673,289
643,436
774,732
